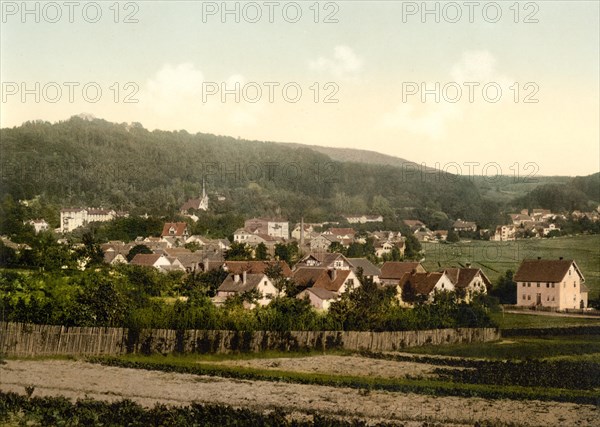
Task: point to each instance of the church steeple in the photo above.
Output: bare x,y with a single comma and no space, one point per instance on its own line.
204,200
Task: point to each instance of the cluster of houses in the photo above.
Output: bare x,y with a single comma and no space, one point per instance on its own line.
540,223
556,284
325,277
174,250
313,237
423,233
534,223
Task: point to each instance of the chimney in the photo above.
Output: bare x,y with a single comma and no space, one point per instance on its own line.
236,278
539,257
205,262
244,277
468,264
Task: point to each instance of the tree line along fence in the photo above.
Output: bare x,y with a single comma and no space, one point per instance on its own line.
28,340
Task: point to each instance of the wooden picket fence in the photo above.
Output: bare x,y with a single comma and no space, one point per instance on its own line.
28,340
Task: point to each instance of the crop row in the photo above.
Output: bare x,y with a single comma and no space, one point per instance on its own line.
53,411
576,375
403,385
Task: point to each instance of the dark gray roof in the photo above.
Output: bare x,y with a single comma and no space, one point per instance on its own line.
369,269
324,294
230,285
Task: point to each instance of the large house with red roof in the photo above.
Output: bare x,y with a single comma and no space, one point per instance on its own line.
554,283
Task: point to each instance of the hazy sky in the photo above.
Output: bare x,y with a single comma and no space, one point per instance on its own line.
476,86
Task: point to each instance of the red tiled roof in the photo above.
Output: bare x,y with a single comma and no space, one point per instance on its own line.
179,227
342,231
396,269
544,270
331,284
255,267
308,276
421,283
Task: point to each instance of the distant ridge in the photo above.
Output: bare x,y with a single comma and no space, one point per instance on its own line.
356,155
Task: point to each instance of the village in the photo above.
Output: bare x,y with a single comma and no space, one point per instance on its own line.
321,270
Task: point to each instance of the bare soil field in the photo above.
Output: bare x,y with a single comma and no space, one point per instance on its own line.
77,379
339,365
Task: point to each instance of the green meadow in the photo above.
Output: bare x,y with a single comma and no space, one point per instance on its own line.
494,258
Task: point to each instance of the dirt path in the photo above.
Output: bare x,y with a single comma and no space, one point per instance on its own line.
75,379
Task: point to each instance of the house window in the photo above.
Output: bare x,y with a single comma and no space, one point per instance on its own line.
552,298
529,297
538,284
574,284
524,297
553,286
547,285
548,298
528,284
523,284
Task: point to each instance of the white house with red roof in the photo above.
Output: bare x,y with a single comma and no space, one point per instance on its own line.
554,283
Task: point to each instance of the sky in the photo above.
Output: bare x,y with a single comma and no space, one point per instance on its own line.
471,87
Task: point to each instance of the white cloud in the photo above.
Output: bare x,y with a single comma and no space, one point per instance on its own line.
344,64
478,66
432,119
175,93
432,123
172,87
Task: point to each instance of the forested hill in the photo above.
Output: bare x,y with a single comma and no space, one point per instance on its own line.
358,156
82,162
580,192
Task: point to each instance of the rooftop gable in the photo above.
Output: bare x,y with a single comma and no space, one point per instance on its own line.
545,270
